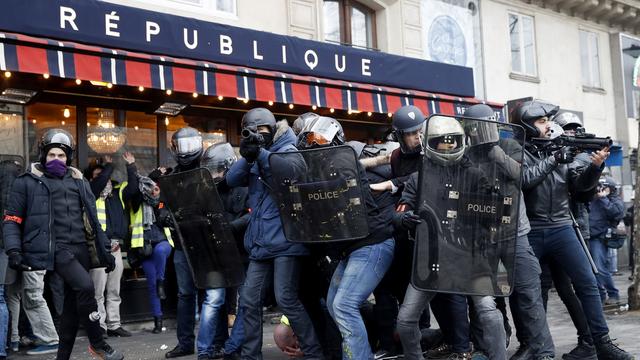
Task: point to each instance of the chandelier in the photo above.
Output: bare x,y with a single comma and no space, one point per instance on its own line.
106,138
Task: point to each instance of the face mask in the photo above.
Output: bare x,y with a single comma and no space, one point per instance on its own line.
268,138
56,168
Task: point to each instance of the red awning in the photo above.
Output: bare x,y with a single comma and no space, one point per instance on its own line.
21,53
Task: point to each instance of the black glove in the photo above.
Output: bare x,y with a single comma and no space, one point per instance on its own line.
249,150
564,155
15,262
407,220
110,261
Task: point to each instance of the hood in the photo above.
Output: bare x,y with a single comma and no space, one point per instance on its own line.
36,171
369,163
283,136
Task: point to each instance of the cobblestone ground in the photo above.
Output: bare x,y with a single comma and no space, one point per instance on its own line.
624,325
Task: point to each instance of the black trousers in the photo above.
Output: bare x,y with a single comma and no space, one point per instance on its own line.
72,265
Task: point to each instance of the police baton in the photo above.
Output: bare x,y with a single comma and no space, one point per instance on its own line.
576,227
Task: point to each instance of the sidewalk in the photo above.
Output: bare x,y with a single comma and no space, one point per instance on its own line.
625,327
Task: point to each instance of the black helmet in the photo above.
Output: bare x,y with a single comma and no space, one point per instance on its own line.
302,120
526,113
218,158
407,119
323,131
56,138
568,120
480,132
186,145
259,117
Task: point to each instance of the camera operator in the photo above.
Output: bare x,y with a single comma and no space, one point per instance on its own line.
547,180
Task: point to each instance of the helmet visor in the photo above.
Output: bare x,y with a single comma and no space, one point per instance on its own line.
61,138
320,131
187,145
446,144
481,132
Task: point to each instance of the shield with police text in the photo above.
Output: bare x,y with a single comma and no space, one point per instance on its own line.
202,229
468,199
319,194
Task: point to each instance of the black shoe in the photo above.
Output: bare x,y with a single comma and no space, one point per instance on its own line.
119,332
105,334
430,338
178,352
584,351
441,352
160,289
218,353
523,353
157,325
608,350
385,355
232,356
105,352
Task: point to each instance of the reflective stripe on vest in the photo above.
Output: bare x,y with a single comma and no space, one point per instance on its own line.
101,206
137,230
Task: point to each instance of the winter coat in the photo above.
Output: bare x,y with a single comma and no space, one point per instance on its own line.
264,238
605,212
28,219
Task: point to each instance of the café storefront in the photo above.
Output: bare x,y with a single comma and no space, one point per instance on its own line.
124,79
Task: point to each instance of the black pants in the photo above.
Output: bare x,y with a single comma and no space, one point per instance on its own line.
552,271
72,265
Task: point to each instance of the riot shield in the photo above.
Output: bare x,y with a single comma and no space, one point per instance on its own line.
202,230
319,194
469,206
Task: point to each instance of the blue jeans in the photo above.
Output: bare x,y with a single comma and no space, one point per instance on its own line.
284,273
488,325
562,245
154,267
4,323
600,254
236,338
209,320
353,280
186,311
450,310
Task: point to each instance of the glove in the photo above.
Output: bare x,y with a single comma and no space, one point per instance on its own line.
249,150
110,261
407,220
564,155
15,262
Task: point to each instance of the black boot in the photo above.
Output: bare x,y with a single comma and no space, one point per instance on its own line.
160,288
608,350
584,351
157,325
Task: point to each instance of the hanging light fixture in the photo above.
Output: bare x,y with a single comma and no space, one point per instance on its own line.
66,113
106,138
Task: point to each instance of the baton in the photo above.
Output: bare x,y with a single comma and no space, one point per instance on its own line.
576,227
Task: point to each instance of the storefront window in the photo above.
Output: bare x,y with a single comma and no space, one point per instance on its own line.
137,134
42,117
11,132
213,130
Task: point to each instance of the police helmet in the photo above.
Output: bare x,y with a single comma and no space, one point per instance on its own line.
406,120
186,145
218,158
300,122
322,131
481,132
445,140
526,113
568,120
56,138
259,117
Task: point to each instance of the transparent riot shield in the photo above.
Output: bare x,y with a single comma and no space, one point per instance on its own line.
204,233
319,195
469,204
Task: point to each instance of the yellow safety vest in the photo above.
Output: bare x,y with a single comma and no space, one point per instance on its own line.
102,208
137,230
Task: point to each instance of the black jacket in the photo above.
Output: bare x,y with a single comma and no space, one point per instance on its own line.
546,186
28,219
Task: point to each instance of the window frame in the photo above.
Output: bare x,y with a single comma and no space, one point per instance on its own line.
521,43
591,66
344,19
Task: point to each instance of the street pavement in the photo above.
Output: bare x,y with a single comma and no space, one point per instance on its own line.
624,325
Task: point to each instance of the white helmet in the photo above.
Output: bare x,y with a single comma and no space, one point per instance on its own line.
445,143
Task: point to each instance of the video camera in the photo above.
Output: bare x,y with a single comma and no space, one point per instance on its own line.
252,136
582,141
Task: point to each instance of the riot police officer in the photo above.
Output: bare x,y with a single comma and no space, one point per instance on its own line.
53,201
